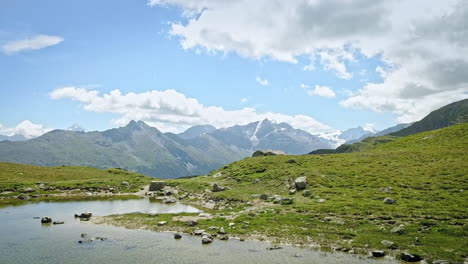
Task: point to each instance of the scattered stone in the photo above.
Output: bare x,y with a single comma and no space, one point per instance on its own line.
46,220
221,231
264,196
398,230
410,258
274,248
170,200
440,261
328,218
292,191
149,193
23,197
231,224
84,215
224,238
198,232
161,223
257,180
213,228
387,189
84,235
389,244
204,215
218,188
168,193
177,236
291,161
124,183
36,217
300,183
389,201
286,201
157,186
276,198
241,239
191,222
28,190
207,239
58,222
378,253
322,200
306,193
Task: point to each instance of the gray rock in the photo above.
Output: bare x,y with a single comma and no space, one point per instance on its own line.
398,230
23,197
286,201
300,183
58,222
218,188
389,244
224,238
170,200
389,201
292,191
124,183
206,239
46,220
213,228
274,248
198,232
156,186
84,215
291,161
177,236
378,253
28,190
259,153
306,193
161,223
264,196
322,200
440,261
222,231
191,222
409,257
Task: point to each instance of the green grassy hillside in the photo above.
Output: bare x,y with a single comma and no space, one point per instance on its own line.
426,173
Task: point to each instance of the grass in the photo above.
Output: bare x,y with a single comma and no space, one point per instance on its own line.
427,172
48,181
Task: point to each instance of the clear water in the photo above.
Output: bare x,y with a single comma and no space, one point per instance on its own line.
25,240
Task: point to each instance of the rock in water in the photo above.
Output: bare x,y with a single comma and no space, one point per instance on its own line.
300,183
157,186
218,188
206,239
378,253
58,222
46,220
410,258
84,215
177,236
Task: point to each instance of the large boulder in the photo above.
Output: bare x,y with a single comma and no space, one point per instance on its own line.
218,188
156,186
300,183
46,220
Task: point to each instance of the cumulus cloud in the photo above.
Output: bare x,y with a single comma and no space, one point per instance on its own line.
420,43
32,43
319,90
262,82
172,111
25,128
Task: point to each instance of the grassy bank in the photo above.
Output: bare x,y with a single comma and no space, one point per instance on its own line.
65,183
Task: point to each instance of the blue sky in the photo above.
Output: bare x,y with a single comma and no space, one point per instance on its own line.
140,46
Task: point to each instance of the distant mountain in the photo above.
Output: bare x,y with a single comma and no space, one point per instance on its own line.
197,131
384,132
448,115
135,147
14,137
356,133
76,127
266,134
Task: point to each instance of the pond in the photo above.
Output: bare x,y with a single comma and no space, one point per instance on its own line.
24,239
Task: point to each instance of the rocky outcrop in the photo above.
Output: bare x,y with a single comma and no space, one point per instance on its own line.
260,153
157,186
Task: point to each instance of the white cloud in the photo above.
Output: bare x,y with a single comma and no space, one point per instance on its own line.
32,43
319,90
173,111
421,43
262,82
244,100
26,128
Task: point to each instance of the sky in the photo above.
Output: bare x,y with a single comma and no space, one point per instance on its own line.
319,65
